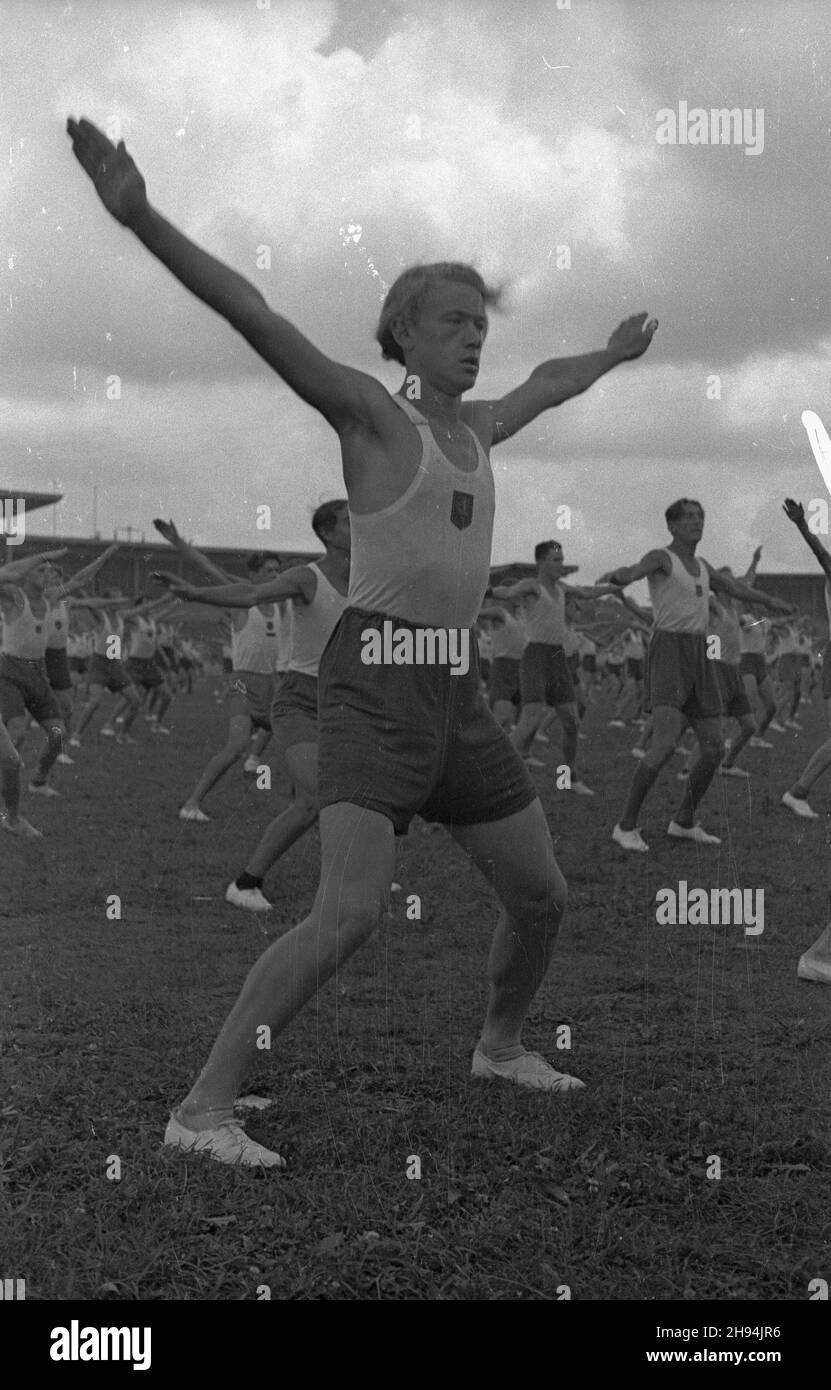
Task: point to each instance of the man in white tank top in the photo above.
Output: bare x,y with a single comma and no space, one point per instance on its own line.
13,576
508,641
681,681
545,678
405,736
317,593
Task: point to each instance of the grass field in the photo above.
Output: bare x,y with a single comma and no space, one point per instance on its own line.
693,1042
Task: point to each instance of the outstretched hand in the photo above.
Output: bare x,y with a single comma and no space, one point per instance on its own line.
117,181
174,582
794,511
632,337
166,529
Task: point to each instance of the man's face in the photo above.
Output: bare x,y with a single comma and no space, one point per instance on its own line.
445,344
40,578
690,525
270,570
551,564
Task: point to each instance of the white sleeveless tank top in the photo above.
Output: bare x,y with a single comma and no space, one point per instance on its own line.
426,557
254,647
680,601
545,620
143,639
726,628
24,634
314,624
509,638
109,624
285,635
57,626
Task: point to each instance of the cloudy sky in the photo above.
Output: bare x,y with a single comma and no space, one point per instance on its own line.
353,139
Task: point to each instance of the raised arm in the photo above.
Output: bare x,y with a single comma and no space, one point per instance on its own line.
795,512
77,581
299,582
561,378
342,395
749,575
652,562
643,616
189,552
18,569
736,588
521,589
581,591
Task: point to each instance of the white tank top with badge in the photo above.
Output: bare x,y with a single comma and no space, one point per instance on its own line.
509,638
255,646
426,557
143,639
545,620
24,634
680,600
314,624
57,626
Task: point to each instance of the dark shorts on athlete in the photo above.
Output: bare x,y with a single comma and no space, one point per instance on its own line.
24,686
573,664
735,704
544,676
252,694
589,662
294,710
407,740
614,667
227,665
504,680
78,663
634,667
143,671
57,668
826,671
110,674
680,674
754,664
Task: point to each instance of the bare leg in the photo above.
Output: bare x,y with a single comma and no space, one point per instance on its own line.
711,747
239,732
281,833
527,725
667,727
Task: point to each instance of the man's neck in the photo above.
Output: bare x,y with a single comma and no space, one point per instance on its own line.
685,548
432,403
335,565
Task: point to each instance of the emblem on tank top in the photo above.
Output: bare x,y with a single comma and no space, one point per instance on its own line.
699,592
461,510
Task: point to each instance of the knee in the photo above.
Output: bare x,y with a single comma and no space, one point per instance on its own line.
659,752
712,750
10,759
352,923
542,900
307,808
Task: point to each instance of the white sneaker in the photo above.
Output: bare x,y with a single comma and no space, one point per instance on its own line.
758,743
734,772
251,898
799,806
542,738
581,789
691,832
639,753
106,733
792,724
43,789
227,1143
817,970
533,762
74,742
251,764
159,729
775,727
530,1070
682,775
616,724
20,827
630,839
193,813
65,760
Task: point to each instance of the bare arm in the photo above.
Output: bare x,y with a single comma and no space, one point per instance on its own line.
735,588
189,552
749,575
18,569
297,583
795,512
342,395
521,589
651,563
77,581
561,378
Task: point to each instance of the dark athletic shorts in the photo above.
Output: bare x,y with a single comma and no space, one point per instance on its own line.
735,703
407,740
227,665
614,668
789,668
57,668
589,662
504,682
251,694
143,671
485,668
544,675
573,664
680,674
754,664
110,674
826,671
294,710
24,686
78,663
634,667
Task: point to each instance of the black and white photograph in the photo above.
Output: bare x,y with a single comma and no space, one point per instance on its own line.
415,672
